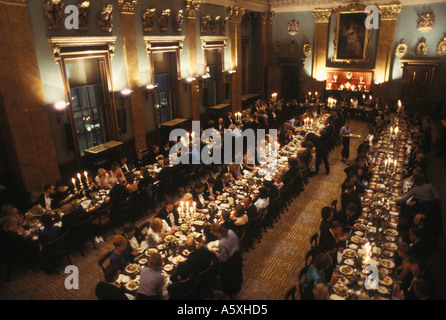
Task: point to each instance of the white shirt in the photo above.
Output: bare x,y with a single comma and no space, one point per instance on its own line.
228,246
47,202
261,204
171,217
134,243
201,198
154,238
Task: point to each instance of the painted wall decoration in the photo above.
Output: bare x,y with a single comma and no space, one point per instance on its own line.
292,48
148,19
205,22
425,21
401,49
352,38
293,27
105,19
223,25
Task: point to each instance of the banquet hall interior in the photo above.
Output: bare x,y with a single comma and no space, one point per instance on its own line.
222,150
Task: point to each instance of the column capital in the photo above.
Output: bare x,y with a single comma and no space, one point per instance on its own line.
127,6
235,14
191,8
389,12
322,15
267,17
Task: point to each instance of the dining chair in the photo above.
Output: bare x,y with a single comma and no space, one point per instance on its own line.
79,234
314,240
103,259
291,293
52,252
101,221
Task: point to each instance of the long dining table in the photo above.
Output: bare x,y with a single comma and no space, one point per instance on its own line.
366,267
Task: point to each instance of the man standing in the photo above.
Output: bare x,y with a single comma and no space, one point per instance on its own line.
321,150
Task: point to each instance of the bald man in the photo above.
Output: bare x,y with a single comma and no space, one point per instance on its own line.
320,292
199,258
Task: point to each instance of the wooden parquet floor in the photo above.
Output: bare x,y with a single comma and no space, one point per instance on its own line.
270,269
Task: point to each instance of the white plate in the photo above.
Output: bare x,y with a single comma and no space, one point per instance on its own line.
168,267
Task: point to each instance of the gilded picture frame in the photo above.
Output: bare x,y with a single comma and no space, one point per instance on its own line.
352,39
401,49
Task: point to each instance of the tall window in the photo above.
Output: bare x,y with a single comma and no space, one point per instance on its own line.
164,97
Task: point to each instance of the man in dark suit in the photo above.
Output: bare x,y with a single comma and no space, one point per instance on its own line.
108,290
222,181
332,237
250,208
199,196
347,216
46,198
209,189
118,193
170,215
199,259
321,150
420,247
72,216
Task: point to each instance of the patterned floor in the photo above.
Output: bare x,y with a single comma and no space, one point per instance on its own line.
273,266
270,269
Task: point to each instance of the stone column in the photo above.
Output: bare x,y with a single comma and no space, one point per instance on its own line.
23,113
191,27
235,15
127,15
320,46
388,15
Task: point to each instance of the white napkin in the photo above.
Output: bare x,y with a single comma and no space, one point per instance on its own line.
336,297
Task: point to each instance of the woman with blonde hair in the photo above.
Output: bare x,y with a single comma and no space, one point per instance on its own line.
158,230
102,179
151,283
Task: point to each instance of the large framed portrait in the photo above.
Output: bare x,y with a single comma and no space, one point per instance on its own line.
352,39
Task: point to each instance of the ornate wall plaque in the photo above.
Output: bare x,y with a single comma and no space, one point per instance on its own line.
306,49
292,48
441,48
105,19
54,12
293,27
148,18
425,22
178,21
235,13
421,49
191,8
127,6
163,20
401,49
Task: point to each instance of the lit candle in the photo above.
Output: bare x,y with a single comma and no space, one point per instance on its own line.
86,175
79,177
391,130
195,207
74,183
394,166
385,165
396,130
181,206
187,206
309,94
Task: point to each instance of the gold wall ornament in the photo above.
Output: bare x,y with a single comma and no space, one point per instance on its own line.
292,48
401,49
163,20
191,8
421,49
235,14
148,18
222,25
178,21
54,12
441,48
306,49
425,21
322,15
389,12
105,18
84,15
213,24
205,23
293,27
127,6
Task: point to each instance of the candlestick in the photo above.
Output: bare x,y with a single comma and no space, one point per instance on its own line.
195,207
394,166
74,184
80,180
385,165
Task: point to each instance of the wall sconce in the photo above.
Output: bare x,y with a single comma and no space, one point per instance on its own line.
125,93
60,106
149,89
204,80
188,81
